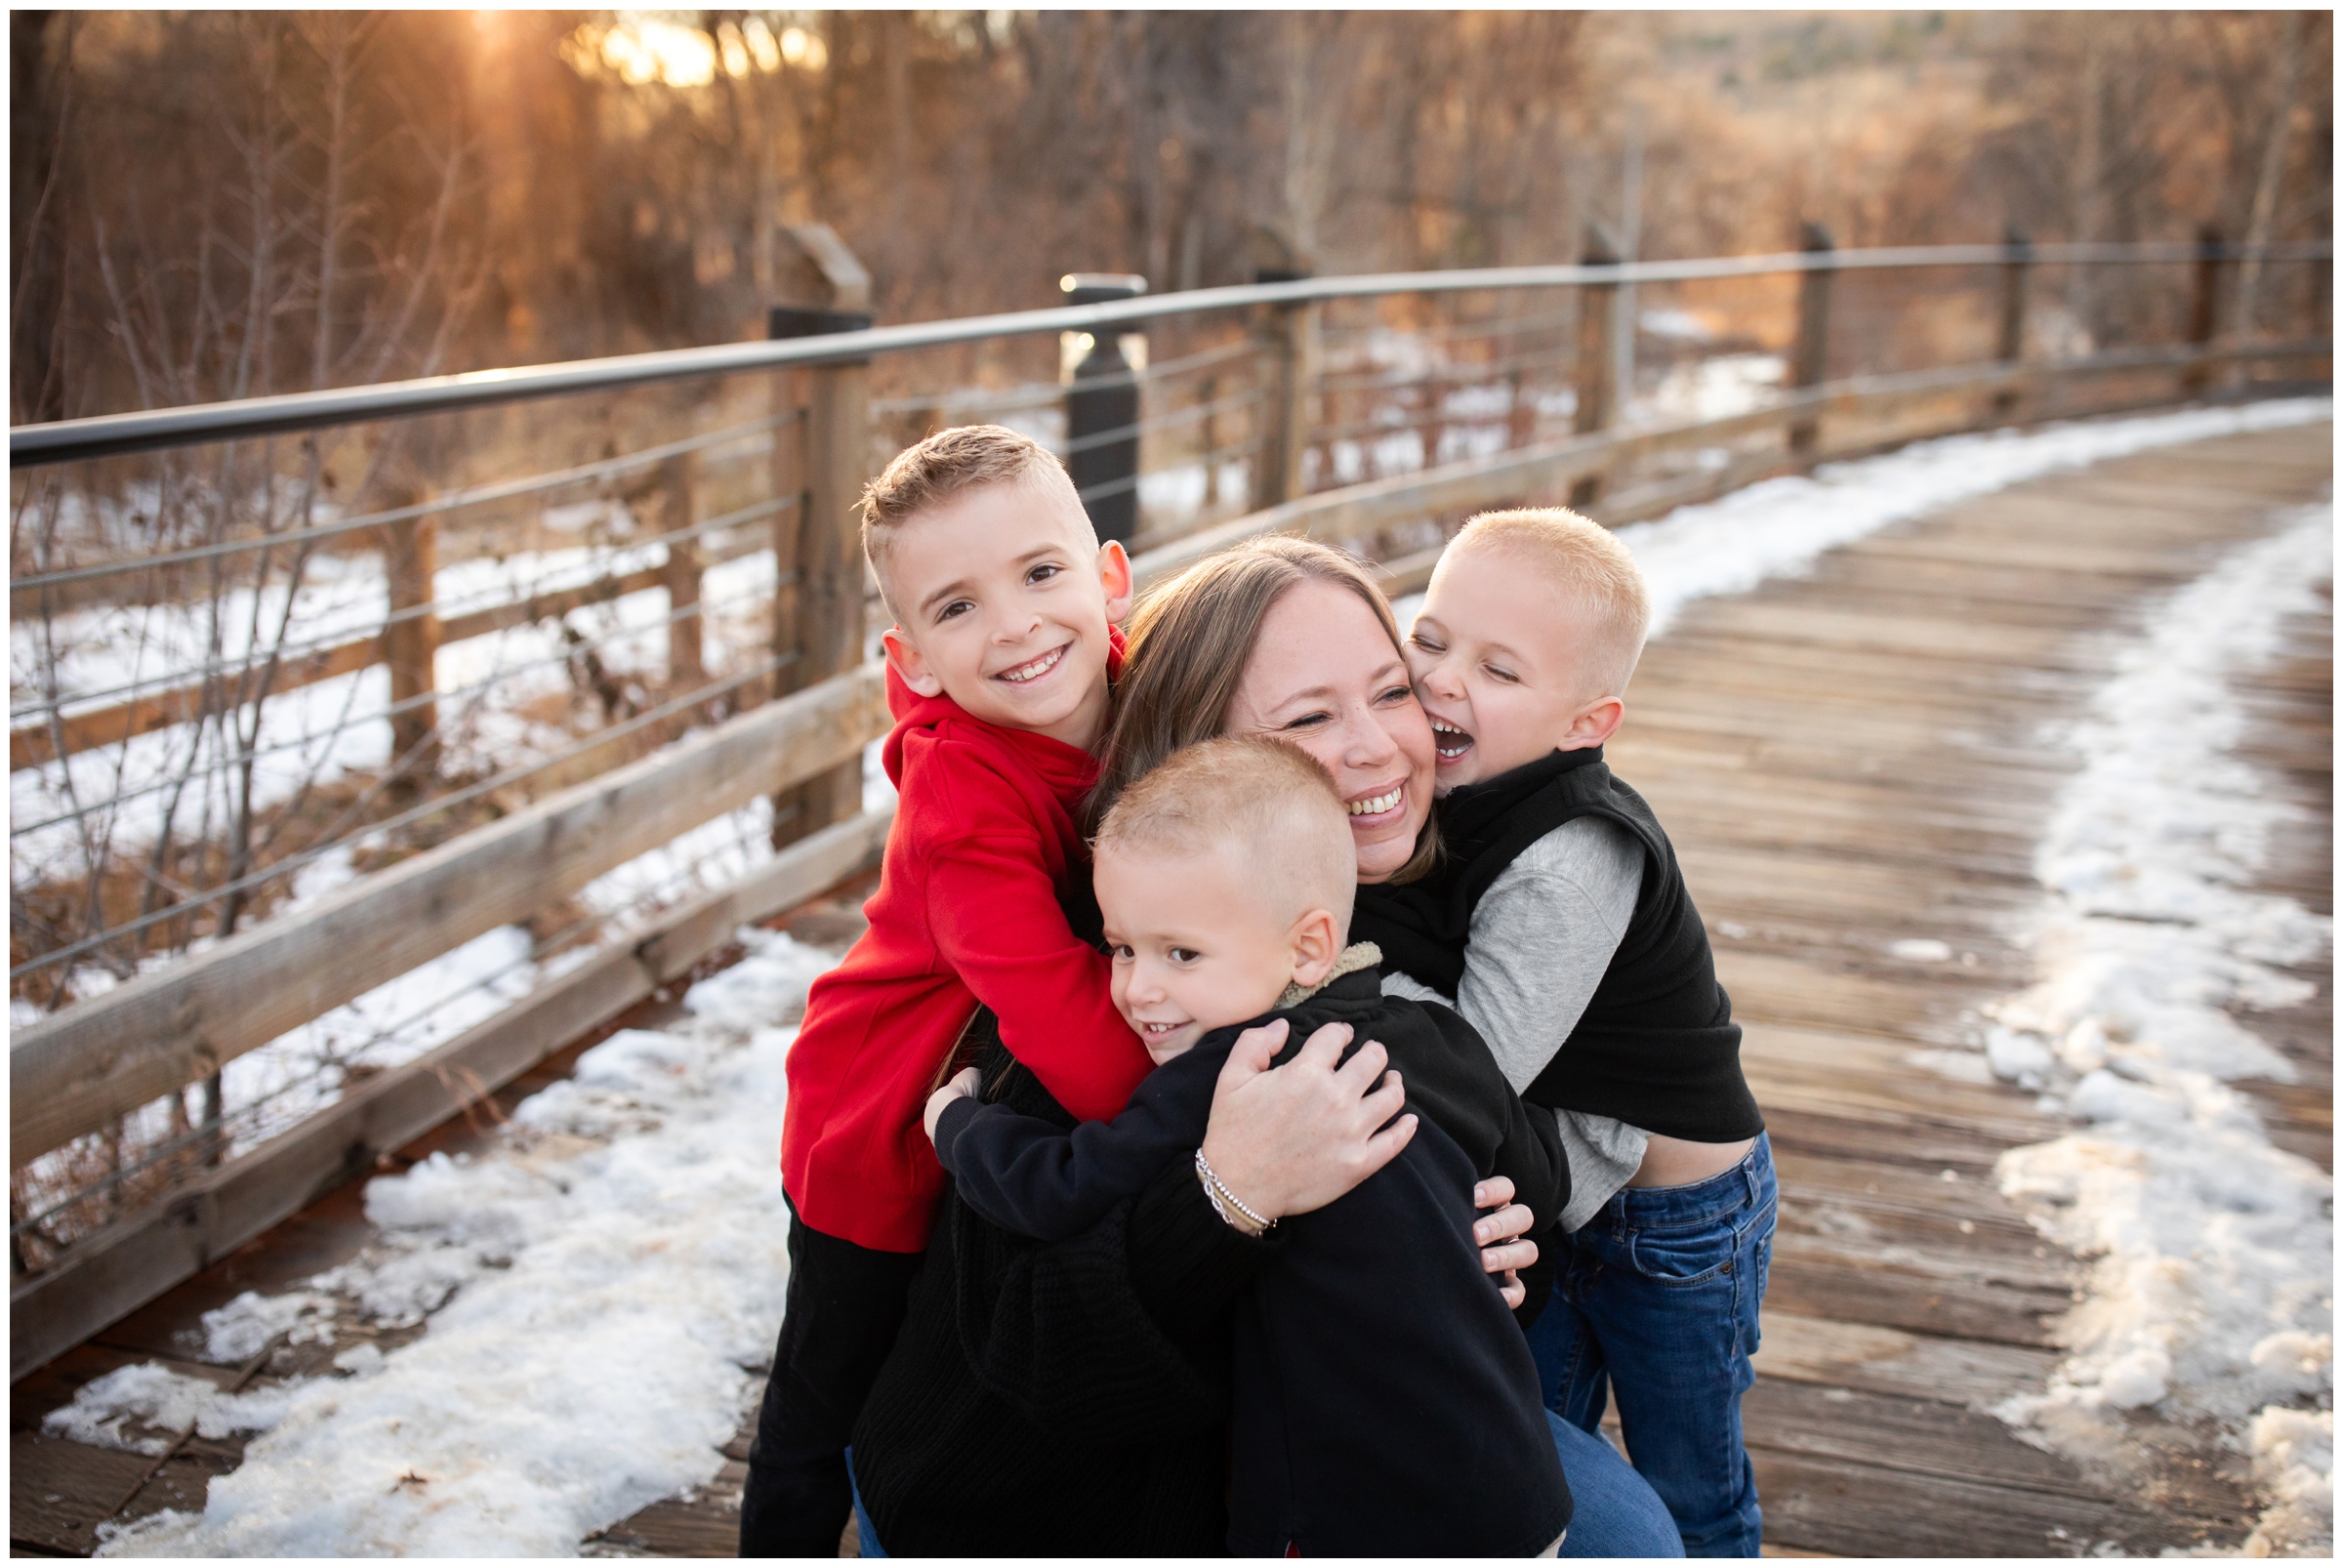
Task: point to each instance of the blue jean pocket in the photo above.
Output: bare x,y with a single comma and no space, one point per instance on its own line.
1683,1255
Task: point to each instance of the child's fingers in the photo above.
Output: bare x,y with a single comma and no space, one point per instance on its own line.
1493,1193
1513,1290
1507,1224
1511,1256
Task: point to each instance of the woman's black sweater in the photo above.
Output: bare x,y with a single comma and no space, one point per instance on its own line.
1060,1399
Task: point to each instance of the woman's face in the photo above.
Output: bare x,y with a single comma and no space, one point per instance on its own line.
1324,676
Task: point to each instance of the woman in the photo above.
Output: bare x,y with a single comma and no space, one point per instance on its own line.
1073,1397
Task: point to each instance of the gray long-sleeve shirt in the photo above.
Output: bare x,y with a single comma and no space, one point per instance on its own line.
1542,935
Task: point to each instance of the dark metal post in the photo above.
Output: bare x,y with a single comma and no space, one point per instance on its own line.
2015,272
1102,413
2204,306
1810,356
1597,380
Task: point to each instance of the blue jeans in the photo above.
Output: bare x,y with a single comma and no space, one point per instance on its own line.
1656,1299
1616,1512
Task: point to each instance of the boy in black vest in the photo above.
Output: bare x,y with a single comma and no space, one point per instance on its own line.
1560,924
1385,1402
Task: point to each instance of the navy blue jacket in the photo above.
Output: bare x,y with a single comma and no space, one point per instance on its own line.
1385,1401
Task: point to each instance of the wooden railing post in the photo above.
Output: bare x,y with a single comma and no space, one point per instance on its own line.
1809,358
1105,471
817,543
1597,382
1289,338
2204,306
411,647
2016,270
686,664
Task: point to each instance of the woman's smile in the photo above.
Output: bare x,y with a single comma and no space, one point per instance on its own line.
1375,809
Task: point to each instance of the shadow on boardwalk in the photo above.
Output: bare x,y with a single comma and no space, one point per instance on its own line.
1846,761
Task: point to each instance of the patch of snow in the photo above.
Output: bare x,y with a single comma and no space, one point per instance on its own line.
149,1394
1778,527
249,1324
167,1404
599,1301
2212,1252
1715,388
2294,1464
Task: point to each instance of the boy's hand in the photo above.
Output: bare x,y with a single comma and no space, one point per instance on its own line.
963,1086
1501,1250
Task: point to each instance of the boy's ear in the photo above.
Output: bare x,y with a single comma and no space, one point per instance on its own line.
903,657
1317,944
1595,723
1114,570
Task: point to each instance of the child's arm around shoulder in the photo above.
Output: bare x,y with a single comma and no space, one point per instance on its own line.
1038,1179
994,914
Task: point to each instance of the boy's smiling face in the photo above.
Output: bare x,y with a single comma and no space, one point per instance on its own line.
1197,945
1502,665
1002,597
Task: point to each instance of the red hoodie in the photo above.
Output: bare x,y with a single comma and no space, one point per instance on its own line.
967,912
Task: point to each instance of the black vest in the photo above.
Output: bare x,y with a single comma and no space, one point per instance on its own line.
1656,1047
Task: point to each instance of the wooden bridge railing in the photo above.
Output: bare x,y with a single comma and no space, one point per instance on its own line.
105,1057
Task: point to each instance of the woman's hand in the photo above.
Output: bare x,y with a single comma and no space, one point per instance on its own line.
1502,1252
962,1085
1296,1139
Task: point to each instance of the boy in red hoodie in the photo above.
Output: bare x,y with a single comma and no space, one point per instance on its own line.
997,670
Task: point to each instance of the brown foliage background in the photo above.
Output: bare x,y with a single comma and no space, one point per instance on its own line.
221,204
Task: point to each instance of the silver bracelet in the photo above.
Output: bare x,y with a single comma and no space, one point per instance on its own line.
1216,1189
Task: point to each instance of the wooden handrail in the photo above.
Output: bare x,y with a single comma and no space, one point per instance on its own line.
1357,510
138,1258
73,1071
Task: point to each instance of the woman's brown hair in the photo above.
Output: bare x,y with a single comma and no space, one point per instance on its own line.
1189,641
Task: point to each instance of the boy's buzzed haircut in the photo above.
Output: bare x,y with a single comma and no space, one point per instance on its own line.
1274,803
948,464
1587,564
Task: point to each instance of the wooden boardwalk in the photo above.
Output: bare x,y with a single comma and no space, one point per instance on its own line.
1845,760
1850,760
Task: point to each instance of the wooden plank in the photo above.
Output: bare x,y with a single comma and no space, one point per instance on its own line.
1921,1436
131,1263
1838,1354
71,1072
1849,1508
60,1492
1899,1287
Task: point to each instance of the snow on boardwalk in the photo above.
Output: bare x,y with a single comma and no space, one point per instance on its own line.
1858,768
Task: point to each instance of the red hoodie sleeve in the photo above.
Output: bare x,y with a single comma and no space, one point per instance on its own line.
994,916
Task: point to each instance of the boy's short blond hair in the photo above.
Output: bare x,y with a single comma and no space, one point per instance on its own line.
949,464
1585,564
1273,804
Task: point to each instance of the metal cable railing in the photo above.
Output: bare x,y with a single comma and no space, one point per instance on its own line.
501,725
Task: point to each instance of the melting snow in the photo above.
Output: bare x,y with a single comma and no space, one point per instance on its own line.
599,1289
2210,1289
1777,529
596,1289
